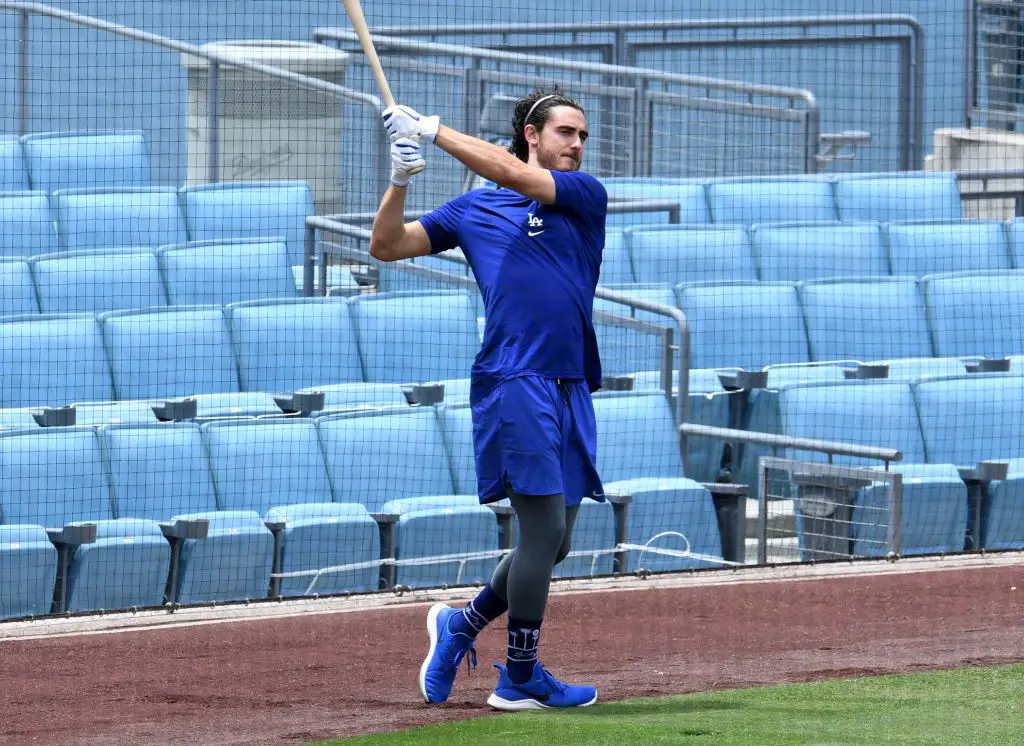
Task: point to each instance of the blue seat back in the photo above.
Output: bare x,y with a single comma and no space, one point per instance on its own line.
976,314
250,210
934,247
17,291
748,201
97,281
52,477
13,170
113,218
972,417
688,253
158,471
636,437
51,360
392,277
691,197
27,227
416,337
1015,239
457,424
881,414
870,319
264,464
71,160
226,271
283,346
793,252
29,562
616,268
380,456
164,353
625,350
743,325
899,196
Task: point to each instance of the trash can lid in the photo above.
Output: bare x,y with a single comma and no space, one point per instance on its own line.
296,56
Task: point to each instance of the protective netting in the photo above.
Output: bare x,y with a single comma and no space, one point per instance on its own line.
210,391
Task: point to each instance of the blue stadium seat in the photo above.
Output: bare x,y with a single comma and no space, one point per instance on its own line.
747,201
457,427
340,396
875,318
883,414
162,472
624,349
27,226
910,369
246,404
13,170
976,314
593,532
135,552
391,278
17,419
97,281
793,252
898,197
688,253
689,195
17,291
636,437
456,390
934,247
383,455
616,268
414,337
286,345
328,536
276,468
1015,239
71,160
250,210
977,417
114,218
226,271
169,352
52,360
743,325
28,571
56,476
435,526
116,412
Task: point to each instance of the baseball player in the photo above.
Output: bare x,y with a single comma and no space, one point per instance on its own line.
535,245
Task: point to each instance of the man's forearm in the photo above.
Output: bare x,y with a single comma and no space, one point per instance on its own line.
389,223
492,162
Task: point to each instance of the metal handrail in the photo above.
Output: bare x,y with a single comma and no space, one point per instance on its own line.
216,59
835,448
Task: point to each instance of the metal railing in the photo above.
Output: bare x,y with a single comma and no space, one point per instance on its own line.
622,43
639,122
218,61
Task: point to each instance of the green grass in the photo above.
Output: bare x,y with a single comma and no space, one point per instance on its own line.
966,707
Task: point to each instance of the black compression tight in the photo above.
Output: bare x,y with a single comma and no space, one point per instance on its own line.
523,577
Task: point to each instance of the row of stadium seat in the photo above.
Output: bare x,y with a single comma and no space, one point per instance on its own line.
49,161
318,479
793,252
940,425
260,346
201,272
37,222
751,325
883,198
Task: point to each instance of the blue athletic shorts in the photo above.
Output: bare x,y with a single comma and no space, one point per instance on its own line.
538,436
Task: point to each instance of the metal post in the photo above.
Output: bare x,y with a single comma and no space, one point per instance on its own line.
213,122
907,129
666,369
812,121
896,516
970,62
919,83
23,76
309,257
762,515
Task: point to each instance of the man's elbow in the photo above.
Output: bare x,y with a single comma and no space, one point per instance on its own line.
382,251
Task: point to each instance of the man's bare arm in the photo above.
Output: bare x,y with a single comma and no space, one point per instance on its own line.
497,164
392,238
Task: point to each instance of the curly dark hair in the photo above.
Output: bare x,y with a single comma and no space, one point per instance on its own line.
538,117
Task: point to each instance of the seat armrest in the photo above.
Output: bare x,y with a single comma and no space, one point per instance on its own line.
311,401
424,395
198,528
743,380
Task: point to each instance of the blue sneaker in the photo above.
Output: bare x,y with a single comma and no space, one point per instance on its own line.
447,649
543,691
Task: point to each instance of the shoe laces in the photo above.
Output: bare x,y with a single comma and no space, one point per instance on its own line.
550,680
470,660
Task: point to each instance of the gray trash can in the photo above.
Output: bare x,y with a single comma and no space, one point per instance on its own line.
270,128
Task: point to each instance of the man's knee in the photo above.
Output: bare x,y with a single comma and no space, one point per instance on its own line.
563,551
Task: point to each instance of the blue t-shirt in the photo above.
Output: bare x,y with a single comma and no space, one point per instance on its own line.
537,268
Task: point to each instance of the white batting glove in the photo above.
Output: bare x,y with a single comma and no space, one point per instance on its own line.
402,121
406,161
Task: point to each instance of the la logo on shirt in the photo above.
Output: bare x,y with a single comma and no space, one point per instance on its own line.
534,222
